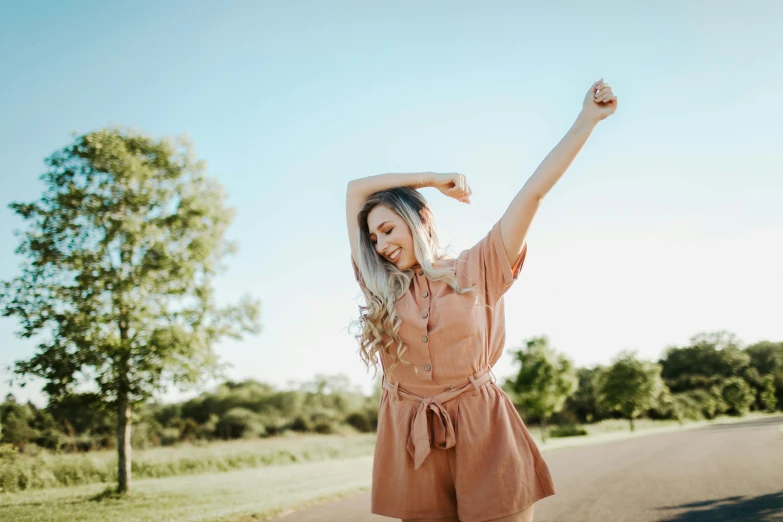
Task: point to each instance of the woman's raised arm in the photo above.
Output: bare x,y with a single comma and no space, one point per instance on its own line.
452,185
599,103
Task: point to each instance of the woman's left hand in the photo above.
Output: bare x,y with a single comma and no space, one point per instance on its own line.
600,102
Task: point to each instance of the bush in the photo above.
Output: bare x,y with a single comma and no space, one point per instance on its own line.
693,405
240,422
738,396
9,468
567,431
363,421
300,424
325,428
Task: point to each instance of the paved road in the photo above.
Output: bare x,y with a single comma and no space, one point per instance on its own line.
729,472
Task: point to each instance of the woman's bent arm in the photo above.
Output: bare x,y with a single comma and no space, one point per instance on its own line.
360,189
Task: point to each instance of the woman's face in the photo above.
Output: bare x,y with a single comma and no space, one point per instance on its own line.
391,236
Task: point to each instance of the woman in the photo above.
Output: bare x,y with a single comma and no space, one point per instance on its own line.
450,444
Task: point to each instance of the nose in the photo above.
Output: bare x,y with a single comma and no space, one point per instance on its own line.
380,246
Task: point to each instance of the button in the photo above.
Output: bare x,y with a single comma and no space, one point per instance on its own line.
427,367
426,294
425,339
448,388
421,272
425,315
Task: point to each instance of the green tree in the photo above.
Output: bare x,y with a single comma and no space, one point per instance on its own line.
544,382
709,360
584,402
767,358
738,396
630,386
768,399
121,252
15,420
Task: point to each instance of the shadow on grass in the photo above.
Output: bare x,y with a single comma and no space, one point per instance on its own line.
764,508
110,493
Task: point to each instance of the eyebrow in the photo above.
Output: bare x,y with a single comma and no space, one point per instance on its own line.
379,226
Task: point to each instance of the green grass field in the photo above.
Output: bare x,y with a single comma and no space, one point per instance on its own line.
48,470
256,493
263,492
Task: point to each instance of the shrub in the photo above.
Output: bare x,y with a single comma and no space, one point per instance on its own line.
9,468
567,431
364,421
240,422
325,427
738,396
300,424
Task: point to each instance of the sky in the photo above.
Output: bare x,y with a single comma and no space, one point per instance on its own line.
669,223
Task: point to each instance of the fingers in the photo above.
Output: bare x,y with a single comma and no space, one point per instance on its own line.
603,92
461,191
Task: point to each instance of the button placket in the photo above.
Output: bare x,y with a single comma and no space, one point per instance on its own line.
425,313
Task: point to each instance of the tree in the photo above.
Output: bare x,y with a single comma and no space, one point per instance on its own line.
709,360
544,382
630,386
767,358
584,402
738,396
767,397
121,252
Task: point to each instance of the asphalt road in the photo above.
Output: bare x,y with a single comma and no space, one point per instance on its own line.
728,472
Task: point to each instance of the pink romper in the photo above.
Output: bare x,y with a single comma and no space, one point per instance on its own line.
450,442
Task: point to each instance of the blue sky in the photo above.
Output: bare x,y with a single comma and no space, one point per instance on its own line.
669,223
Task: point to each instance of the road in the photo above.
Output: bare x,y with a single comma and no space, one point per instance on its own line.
723,472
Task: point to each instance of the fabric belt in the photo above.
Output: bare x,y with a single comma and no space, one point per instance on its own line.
442,436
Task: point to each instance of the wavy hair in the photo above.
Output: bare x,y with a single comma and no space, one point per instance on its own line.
384,284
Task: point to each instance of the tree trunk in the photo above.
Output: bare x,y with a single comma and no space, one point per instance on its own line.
631,419
123,443
543,429
123,412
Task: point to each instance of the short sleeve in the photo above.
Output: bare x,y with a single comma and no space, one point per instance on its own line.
486,263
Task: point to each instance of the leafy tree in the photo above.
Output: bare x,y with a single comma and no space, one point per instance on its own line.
544,382
708,361
121,251
15,420
584,402
738,396
767,358
768,399
630,386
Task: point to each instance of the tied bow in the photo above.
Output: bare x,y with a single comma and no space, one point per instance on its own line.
442,436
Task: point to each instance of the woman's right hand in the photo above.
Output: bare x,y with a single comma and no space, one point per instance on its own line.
454,185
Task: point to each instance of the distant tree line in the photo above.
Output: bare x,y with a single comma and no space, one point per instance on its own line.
713,375
247,409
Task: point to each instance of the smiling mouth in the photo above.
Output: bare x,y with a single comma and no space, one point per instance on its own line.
395,255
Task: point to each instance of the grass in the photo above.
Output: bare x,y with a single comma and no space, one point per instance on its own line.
49,470
618,429
261,493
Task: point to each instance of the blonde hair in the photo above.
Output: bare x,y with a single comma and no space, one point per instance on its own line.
384,284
